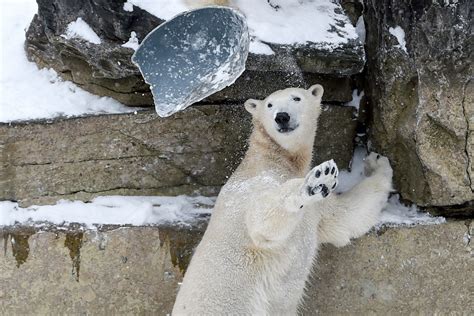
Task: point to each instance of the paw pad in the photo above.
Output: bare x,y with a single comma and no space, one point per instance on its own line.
322,180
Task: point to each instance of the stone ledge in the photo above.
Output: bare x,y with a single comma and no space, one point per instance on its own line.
136,270
141,154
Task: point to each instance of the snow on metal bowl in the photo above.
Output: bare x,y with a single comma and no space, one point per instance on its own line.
192,56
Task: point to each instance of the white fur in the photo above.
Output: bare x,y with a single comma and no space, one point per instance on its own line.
272,214
203,3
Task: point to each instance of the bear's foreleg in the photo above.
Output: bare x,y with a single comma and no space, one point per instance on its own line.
353,213
276,214
282,208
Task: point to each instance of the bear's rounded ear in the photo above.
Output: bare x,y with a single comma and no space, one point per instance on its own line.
251,105
317,90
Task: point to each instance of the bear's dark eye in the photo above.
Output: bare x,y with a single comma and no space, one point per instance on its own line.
270,105
297,99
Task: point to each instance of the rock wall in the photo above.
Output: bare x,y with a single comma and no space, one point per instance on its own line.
422,98
136,270
419,96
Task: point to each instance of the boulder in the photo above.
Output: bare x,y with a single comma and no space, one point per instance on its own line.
191,152
421,94
396,271
106,69
137,270
335,136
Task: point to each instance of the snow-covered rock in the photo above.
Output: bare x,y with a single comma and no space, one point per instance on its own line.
316,38
110,210
30,93
419,83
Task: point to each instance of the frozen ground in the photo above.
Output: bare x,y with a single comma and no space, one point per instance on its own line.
181,210
29,93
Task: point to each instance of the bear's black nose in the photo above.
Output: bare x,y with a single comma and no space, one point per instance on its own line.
282,118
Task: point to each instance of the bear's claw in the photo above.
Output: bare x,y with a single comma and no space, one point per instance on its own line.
321,180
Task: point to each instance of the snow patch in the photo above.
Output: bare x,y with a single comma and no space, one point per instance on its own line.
360,29
110,210
260,48
80,29
397,214
128,6
399,33
277,21
291,22
28,93
356,97
163,9
132,42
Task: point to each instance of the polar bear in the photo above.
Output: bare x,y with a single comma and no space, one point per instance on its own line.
202,3
271,215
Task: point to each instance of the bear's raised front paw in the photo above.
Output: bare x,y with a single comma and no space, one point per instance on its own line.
376,163
321,180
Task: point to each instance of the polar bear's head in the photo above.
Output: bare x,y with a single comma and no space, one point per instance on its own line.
289,116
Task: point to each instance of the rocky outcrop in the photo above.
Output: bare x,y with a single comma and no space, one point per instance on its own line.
103,69
401,271
107,70
143,154
421,93
191,152
136,270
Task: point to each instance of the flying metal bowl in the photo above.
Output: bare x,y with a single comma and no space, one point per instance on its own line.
192,56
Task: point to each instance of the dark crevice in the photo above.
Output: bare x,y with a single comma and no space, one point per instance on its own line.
458,212
131,188
74,243
466,145
468,234
79,161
